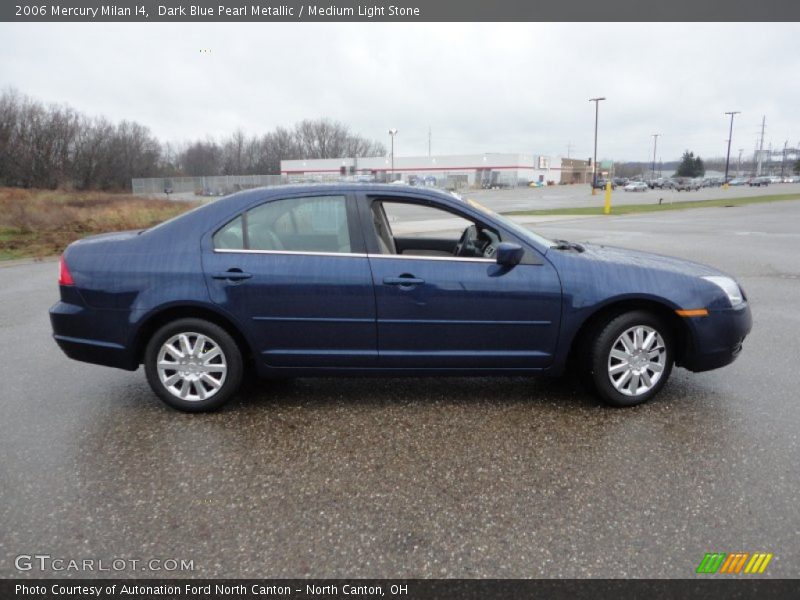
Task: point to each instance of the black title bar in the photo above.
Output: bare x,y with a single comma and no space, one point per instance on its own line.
400,11
394,589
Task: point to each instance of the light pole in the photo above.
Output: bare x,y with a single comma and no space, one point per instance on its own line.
594,160
730,136
655,144
783,158
392,133
739,168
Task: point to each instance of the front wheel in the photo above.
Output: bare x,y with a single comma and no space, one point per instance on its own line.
631,358
193,365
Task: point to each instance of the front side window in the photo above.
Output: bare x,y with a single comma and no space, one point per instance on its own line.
417,229
309,224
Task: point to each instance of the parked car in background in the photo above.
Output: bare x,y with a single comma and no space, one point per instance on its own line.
619,181
759,182
601,184
686,184
663,183
738,181
636,186
775,179
299,281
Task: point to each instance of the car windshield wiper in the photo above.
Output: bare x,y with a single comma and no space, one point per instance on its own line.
565,245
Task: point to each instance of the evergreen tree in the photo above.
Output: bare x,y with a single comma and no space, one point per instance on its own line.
691,166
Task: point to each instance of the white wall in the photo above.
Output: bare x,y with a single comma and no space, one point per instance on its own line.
511,166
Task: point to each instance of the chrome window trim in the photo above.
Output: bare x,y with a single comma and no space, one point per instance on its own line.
420,257
286,252
354,254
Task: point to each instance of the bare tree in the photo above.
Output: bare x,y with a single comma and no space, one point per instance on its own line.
53,145
201,158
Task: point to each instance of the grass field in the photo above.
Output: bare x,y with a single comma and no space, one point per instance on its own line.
626,209
38,223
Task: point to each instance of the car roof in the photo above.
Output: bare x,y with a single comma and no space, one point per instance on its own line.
243,200
344,187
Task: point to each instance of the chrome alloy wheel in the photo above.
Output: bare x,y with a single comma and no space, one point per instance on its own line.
191,366
637,360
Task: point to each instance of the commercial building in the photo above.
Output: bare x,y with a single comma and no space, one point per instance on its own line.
574,170
451,171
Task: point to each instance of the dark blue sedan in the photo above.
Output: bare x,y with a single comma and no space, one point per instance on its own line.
383,280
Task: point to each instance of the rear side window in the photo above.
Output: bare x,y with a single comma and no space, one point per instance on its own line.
309,224
231,236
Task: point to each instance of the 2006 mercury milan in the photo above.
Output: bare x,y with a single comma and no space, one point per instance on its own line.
332,279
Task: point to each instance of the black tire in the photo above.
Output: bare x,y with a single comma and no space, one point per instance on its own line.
599,359
229,357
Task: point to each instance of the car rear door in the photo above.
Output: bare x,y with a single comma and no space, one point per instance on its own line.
294,272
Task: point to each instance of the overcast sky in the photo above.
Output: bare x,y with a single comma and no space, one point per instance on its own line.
480,87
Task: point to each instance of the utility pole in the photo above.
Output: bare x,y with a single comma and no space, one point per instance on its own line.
739,168
392,133
569,148
783,158
655,145
730,136
594,161
761,146
429,141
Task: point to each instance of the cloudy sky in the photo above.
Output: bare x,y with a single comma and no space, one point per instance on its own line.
480,87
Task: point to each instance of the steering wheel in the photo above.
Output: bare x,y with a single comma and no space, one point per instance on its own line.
466,241
492,240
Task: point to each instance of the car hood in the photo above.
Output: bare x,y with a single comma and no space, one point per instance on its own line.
646,260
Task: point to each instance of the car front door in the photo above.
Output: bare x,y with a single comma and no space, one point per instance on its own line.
294,272
438,310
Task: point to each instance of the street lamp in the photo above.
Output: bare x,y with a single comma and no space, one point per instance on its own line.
392,133
655,144
730,136
594,161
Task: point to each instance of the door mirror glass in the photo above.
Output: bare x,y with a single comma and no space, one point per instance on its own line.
509,254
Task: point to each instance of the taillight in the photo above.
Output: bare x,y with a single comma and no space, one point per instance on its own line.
64,276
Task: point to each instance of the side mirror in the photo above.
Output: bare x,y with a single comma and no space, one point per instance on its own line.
509,254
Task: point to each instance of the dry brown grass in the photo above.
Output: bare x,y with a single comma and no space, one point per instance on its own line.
42,223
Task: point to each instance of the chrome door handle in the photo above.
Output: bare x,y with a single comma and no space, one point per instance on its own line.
233,275
408,280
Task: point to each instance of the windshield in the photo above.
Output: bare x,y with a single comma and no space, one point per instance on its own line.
521,231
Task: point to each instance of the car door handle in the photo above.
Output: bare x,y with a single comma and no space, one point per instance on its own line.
232,274
403,280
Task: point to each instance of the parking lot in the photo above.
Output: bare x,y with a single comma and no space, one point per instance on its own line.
462,477
577,195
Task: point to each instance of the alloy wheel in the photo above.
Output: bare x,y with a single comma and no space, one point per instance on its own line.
191,366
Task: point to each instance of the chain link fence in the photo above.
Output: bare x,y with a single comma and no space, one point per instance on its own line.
190,187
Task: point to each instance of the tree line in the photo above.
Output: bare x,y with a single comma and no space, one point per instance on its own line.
50,146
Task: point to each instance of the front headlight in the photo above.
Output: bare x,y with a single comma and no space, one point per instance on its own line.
729,286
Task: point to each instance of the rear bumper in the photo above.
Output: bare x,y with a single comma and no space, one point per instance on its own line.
717,339
82,334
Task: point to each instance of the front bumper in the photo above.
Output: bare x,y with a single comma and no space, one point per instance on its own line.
717,339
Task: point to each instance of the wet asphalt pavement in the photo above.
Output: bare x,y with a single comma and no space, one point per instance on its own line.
511,477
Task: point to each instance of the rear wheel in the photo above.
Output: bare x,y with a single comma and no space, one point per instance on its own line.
631,358
193,365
